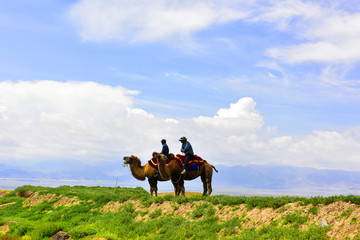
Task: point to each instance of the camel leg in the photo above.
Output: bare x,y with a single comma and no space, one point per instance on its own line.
182,189
153,186
181,185
176,189
179,189
209,174
178,183
205,186
208,181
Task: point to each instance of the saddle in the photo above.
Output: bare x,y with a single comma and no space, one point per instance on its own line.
193,165
154,162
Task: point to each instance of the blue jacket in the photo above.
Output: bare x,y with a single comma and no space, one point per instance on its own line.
187,148
165,150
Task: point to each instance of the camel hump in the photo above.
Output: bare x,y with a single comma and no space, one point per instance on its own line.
153,162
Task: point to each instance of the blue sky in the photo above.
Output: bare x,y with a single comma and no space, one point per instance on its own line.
248,82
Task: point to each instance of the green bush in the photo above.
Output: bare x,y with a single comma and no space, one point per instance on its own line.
45,230
199,210
156,213
82,231
314,210
21,229
231,226
296,219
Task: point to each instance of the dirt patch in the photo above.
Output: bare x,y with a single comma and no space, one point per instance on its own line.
6,227
115,206
66,201
26,194
187,194
6,204
3,193
34,199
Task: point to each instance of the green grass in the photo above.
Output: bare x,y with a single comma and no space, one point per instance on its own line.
314,210
295,219
86,220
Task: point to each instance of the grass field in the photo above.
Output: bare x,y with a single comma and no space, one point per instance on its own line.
32,212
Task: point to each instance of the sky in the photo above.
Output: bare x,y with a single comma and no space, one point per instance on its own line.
247,82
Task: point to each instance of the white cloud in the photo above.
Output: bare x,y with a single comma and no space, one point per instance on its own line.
322,51
323,33
327,34
149,21
282,13
90,122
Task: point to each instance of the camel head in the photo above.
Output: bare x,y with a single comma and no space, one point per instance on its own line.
161,158
131,159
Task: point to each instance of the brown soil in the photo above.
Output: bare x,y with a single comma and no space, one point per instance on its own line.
3,193
6,204
187,194
33,199
66,201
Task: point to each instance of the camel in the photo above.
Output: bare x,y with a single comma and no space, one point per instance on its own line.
142,172
173,169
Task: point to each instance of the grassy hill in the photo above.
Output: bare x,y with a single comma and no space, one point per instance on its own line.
100,213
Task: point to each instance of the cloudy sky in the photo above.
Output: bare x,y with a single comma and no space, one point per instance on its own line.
248,82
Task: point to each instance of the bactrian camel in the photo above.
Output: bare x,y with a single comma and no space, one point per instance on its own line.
142,172
173,170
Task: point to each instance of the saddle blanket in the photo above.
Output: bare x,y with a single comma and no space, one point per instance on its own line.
193,165
154,162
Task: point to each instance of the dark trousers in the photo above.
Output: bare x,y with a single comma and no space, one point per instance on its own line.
187,159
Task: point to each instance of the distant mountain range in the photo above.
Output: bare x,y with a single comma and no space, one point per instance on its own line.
286,177
233,180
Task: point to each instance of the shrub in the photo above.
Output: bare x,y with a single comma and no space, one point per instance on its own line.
314,210
231,226
21,229
296,219
81,232
156,213
45,230
200,210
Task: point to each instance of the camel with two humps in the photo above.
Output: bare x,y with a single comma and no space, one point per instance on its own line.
141,172
173,170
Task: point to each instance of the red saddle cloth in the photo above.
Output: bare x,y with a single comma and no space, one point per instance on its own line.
154,162
196,160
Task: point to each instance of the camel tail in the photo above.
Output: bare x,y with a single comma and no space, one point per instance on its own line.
214,168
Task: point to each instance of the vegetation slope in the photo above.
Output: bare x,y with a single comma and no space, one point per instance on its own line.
101,213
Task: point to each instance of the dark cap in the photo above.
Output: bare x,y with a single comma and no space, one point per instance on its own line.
183,139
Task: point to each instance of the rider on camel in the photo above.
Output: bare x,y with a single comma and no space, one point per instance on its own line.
186,148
